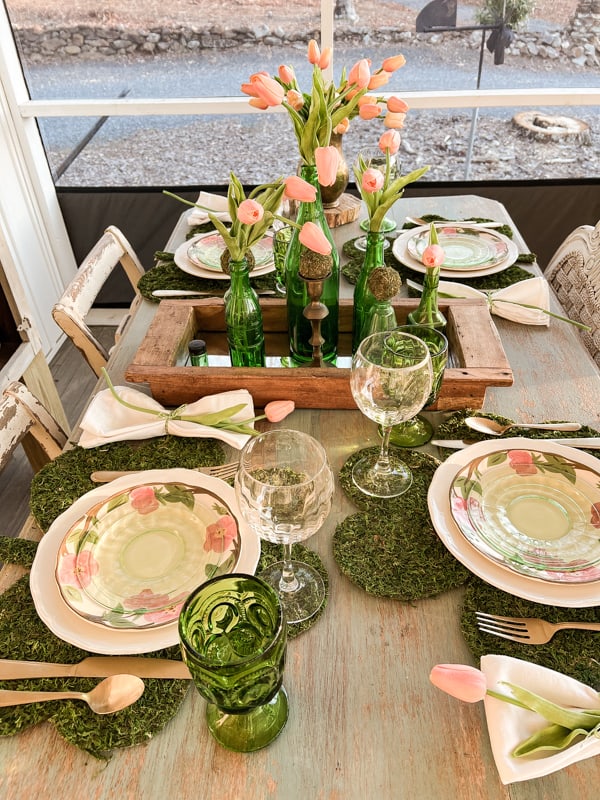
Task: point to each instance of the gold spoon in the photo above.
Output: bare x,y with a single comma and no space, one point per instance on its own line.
493,428
110,695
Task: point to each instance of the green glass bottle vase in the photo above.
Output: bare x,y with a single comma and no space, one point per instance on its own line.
427,312
364,300
243,319
297,298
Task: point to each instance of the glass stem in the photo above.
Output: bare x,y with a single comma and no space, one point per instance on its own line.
383,462
288,581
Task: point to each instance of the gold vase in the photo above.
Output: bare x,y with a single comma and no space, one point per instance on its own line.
331,194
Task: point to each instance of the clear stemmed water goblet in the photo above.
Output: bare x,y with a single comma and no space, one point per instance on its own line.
418,430
284,487
377,160
390,379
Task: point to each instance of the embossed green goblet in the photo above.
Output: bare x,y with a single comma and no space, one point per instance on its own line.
233,635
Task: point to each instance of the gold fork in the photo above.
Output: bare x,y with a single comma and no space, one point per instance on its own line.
527,630
222,471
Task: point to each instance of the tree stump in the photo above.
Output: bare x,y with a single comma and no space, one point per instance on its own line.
546,128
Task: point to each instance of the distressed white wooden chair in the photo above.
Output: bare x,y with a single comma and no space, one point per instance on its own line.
25,420
72,308
574,274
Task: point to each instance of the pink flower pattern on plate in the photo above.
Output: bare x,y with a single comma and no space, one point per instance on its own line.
143,499
77,570
522,462
221,534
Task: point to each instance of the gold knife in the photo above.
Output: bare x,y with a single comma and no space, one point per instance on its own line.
96,667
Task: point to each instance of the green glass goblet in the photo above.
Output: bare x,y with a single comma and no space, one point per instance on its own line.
233,633
281,241
418,430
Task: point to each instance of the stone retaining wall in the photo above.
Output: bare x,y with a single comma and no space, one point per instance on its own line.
578,43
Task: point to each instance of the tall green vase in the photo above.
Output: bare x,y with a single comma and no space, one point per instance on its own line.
364,300
243,319
297,298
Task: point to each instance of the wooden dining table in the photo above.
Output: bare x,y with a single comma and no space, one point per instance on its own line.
365,721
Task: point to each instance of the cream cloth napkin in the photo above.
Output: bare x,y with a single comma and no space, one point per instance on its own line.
509,725
107,420
217,205
533,291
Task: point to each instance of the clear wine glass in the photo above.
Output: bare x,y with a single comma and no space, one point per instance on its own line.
284,487
390,379
377,160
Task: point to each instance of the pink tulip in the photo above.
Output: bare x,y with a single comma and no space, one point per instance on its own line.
390,141
294,99
327,160
360,74
369,111
378,80
460,681
286,74
394,120
396,104
433,255
256,102
268,90
342,127
249,88
393,63
279,409
325,59
313,54
312,236
298,189
372,180
249,212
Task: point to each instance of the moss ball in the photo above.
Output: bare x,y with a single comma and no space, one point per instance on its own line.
225,259
314,266
384,283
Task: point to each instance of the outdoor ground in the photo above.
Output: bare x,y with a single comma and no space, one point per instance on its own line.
300,13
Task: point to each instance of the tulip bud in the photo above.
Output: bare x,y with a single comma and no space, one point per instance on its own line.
394,120
372,180
369,111
396,104
312,236
378,80
460,681
295,99
314,54
250,212
389,141
342,127
286,74
325,59
279,409
393,63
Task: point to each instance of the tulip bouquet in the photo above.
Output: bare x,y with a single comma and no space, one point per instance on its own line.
253,215
327,108
380,190
566,725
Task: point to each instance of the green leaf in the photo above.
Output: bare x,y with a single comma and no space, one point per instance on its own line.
559,715
552,737
216,416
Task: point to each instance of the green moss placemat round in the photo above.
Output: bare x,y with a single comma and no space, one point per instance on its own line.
270,553
169,276
390,549
24,636
573,653
57,485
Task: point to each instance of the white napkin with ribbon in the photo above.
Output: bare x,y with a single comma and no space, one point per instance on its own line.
533,292
217,205
509,725
107,420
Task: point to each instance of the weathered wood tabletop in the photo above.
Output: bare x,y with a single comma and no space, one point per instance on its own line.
364,720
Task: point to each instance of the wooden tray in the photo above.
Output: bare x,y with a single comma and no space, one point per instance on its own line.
477,358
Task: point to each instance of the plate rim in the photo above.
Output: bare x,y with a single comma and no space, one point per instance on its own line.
72,628
468,229
565,595
183,262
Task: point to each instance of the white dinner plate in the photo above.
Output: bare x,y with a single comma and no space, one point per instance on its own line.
566,595
76,630
184,264
401,253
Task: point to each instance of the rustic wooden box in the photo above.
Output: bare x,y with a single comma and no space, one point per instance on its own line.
477,358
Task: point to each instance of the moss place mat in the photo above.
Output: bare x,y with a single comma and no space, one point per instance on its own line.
169,276
574,653
390,548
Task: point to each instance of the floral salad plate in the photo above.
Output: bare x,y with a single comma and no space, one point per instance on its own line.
560,591
470,252
201,256
133,558
96,636
538,513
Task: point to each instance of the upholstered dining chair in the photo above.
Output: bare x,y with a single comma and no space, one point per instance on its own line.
71,310
574,274
25,420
